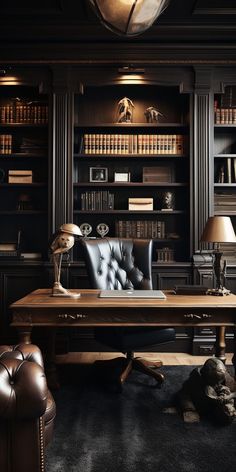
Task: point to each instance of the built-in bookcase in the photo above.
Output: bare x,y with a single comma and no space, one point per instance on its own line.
225,159
24,168
146,163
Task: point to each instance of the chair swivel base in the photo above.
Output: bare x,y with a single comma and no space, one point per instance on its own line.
117,370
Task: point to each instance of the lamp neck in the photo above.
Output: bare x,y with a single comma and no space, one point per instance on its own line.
216,247
217,267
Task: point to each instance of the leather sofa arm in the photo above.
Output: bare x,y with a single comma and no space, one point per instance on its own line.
23,392
25,352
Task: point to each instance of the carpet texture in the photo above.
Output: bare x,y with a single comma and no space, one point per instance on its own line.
100,431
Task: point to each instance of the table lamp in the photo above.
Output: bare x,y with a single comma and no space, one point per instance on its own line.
218,229
63,242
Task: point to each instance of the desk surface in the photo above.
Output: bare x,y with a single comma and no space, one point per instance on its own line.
40,309
42,298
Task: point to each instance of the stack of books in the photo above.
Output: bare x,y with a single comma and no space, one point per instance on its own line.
225,203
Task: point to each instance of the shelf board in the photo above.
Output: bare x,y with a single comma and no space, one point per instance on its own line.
132,125
225,213
224,156
23,155
23,125
130,184
232,185
169,240
23,212
225,126
129,156
34,184
129,212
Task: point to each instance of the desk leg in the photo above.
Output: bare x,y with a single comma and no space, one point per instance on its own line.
220,343
24,335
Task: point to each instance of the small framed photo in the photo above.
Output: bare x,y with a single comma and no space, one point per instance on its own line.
98,174
121,176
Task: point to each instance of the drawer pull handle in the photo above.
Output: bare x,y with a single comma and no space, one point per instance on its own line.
65,316
199,317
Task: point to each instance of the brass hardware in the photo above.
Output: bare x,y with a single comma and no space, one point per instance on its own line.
65,316
200,317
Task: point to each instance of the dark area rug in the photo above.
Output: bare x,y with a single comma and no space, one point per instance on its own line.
100,431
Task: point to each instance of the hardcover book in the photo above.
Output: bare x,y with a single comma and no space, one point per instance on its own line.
20,176
140,204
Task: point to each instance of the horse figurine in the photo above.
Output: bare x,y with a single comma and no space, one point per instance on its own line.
152,114
125,110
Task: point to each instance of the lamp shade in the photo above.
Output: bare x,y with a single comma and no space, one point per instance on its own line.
219,229
128,17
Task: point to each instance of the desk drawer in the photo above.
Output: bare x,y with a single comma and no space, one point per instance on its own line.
120,316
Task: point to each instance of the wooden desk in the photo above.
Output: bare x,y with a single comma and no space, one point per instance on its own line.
39,308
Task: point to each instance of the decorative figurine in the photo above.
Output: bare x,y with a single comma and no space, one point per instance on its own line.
152,114
125,110
85,229
62,243
102,229
168,201
210,391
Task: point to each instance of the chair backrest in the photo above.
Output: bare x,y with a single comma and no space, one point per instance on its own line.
116,263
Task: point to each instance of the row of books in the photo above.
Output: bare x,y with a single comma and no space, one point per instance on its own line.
165,254
225,116
97,200
227,171
224,202
30,113
140,229
99,143
5,143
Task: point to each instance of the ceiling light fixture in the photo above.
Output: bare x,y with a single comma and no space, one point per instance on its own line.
128,17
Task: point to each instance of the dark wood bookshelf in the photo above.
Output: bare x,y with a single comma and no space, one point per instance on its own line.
24,146
130,184
130,212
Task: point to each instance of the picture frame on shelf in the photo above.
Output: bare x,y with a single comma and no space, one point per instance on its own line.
98,174
121,176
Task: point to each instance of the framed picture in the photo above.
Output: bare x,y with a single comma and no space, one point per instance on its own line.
121,176
98,174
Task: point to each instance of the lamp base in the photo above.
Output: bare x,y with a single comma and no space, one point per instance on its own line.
59,291
218,292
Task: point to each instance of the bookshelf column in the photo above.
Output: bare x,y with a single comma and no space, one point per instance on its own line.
202,177
62,144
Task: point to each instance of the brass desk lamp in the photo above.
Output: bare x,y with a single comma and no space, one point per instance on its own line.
62,243
218,229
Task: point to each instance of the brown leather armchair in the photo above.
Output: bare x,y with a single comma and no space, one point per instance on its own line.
27,409
116,263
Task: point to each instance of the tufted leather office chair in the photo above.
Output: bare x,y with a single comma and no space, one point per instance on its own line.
117,264
27,409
